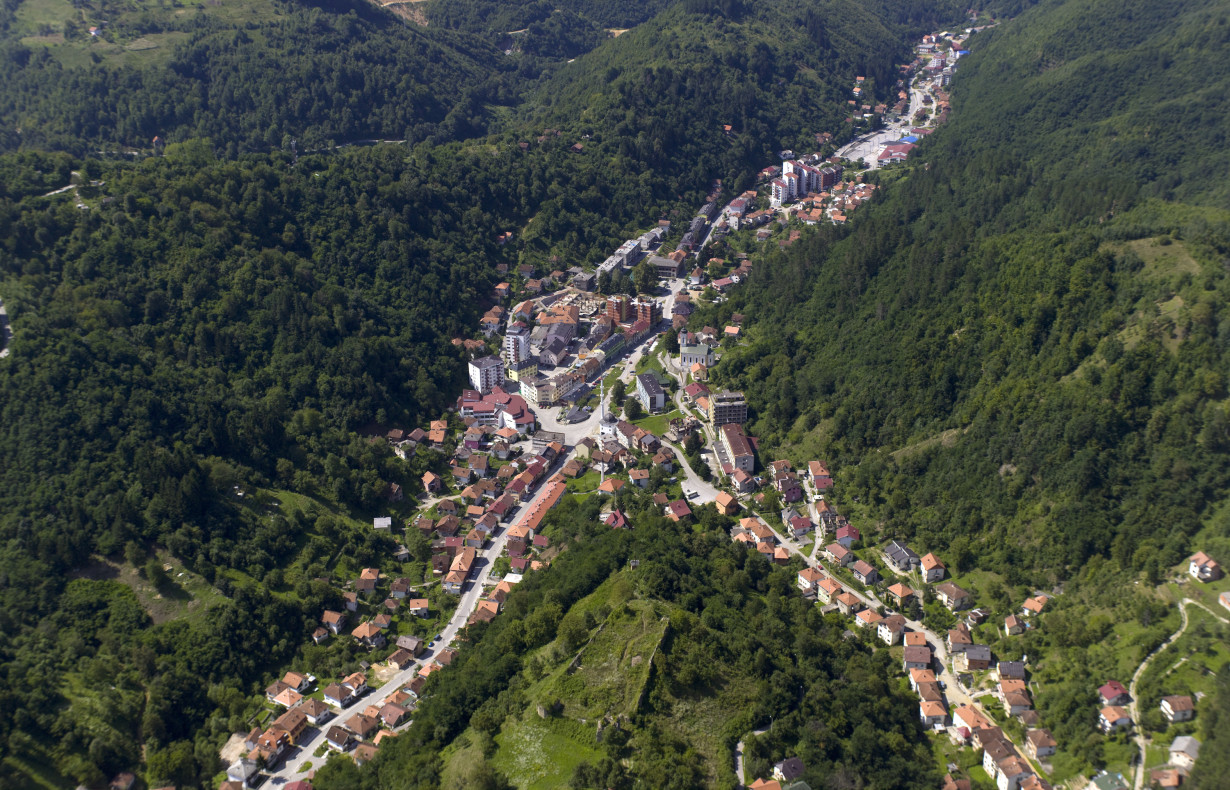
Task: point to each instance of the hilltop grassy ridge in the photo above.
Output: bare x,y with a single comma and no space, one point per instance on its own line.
725,643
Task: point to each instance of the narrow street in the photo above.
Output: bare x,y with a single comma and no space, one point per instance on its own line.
293,766
739,754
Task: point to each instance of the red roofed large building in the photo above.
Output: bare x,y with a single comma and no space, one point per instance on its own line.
896,152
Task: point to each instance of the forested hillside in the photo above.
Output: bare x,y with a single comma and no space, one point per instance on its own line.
678,658
210,322
1020,355
776,73
296,72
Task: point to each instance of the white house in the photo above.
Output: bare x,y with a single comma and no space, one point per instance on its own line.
1204,568
1184,751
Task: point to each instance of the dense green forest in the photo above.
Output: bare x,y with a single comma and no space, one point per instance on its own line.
213,323
259,74
213,320
303,73
727,644
1019,355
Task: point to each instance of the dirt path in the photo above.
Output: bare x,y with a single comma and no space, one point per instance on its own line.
1215,615
1141,741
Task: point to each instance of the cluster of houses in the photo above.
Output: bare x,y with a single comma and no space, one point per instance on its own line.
303,716
1000,758
403,598
1183,753
800,179
550,349
1184,750
724,280
362,731
812,192
496,484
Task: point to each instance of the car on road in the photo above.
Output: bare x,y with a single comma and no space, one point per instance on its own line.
693,495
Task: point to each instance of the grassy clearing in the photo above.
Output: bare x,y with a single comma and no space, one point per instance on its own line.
586,482
1156,754
35,14
538,754
979,583
121,39
1188,666
945,438
657,424
948,753
1163,259
186,597
1204,593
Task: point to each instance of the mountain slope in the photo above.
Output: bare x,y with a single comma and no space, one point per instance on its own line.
601,675
288,71
1045,288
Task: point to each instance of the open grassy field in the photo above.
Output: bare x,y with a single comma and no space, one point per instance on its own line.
1190,663
137,32
187,596
585,483
541,754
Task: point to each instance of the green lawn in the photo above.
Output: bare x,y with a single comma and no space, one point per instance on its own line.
657,424
612,376
945,752
1198,591
649,362
1156,754
1188,666
586,482
123,39
978,775
33,14
978,583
